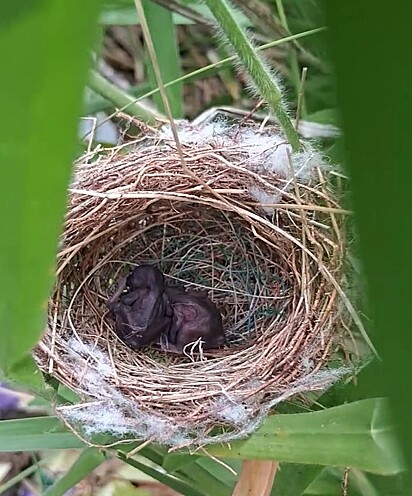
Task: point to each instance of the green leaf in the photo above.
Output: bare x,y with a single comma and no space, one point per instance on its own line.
88,460
119,98
359,483
325,116
153,452
178,485
163,33
126,15
175,461
44,49
206,479
374,485
67,394
39,433
96,103
327,484
214,477
25,373
374,83
356,434
220,471
292,479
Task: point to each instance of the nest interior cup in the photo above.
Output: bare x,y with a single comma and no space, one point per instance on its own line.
261,232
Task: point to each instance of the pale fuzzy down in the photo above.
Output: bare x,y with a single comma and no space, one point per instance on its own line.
263,150
107,410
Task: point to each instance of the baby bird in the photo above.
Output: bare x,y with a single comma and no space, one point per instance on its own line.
194,316
143,313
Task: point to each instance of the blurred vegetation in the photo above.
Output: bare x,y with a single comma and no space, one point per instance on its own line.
51,52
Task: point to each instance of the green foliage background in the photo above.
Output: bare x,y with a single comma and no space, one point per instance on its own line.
45,53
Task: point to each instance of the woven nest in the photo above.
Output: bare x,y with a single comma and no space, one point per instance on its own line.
257,227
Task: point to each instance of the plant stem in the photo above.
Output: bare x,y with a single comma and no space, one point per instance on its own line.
254,65
119,98
256,477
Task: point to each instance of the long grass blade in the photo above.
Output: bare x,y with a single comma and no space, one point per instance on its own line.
162,27
44,53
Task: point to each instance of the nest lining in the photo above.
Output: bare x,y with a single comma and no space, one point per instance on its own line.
273,269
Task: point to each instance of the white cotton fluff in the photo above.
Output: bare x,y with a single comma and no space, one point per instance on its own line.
260,150
213,132
99,418
105,409
315,381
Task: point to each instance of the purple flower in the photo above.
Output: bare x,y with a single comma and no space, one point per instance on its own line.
24,491
8,399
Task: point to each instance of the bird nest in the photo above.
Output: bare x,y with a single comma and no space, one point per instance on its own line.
242,217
